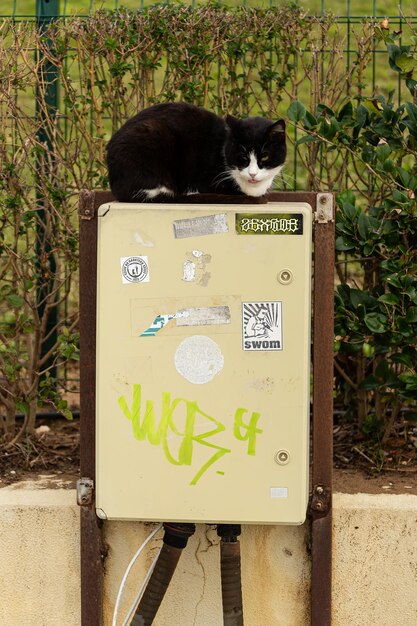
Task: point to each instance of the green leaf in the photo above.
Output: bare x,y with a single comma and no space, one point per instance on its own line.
406,62
15,300
342,245
376,322
362,298
361,116
363,226
394,52
411,85
346,113
411,109
310,121
67,414
370,382
349,210
411,315
410,380
389,298
307,139
404,359
382,152
394,280
296,111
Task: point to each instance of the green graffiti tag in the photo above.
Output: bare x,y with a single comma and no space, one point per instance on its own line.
250,428
159,433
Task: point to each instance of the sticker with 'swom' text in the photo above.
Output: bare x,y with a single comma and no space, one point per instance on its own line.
262,326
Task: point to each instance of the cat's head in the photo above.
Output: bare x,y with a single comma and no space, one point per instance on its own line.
255,152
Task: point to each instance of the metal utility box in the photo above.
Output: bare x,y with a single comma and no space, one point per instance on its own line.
203,362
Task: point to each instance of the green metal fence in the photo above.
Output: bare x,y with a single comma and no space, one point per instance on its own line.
346,10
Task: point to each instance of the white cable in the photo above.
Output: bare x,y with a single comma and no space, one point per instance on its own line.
126,574
141,590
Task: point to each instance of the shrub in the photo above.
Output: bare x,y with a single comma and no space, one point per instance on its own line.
373,143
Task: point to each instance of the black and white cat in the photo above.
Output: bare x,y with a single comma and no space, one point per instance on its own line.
174,150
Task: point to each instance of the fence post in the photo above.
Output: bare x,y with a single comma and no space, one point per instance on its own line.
46,107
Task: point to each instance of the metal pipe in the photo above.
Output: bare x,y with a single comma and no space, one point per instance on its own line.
231,574
175,539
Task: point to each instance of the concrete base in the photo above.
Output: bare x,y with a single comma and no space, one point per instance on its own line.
374,577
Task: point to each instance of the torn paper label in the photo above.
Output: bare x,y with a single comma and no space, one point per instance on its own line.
199,316
203,315
194,268
159,322
188,271
198,226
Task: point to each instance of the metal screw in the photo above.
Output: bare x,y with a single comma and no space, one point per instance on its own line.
87,212
320,490
319,505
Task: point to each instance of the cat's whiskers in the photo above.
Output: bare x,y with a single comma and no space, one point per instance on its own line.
140,194
287,179
222,177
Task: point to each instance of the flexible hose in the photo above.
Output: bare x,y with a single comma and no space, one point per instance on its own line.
175,540
231,575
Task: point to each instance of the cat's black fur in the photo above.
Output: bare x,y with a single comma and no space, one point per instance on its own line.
175,149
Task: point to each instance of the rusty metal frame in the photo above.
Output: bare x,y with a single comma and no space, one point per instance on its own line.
93,549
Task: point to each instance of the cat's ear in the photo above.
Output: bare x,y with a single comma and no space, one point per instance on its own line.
277,130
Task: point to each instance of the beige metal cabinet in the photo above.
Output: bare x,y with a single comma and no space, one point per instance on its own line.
203,355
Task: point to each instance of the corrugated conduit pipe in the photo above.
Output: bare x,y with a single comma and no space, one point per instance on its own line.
175,539
231,574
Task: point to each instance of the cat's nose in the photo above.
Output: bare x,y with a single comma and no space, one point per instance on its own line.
253,176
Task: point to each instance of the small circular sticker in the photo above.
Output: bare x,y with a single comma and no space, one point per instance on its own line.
135,269
198,359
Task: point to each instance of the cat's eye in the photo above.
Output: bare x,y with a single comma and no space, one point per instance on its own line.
265,158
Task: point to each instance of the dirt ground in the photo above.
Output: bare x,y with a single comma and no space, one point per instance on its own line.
359,464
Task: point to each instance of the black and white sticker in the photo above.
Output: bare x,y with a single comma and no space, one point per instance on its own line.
262,326
135,269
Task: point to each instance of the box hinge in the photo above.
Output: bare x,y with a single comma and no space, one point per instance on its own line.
320,499
86,209
85,490
324,208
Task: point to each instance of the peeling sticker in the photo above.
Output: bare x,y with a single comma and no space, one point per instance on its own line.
194,268
198,226
188,271
159,322
135,269
198,359
201,316
143,242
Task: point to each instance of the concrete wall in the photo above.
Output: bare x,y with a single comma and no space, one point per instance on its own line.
375,565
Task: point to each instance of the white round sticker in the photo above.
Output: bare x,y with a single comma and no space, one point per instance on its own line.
198,359
135,269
